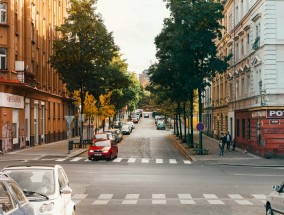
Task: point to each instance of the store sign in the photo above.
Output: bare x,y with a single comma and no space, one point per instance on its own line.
11,101
258,114
274,121
275,114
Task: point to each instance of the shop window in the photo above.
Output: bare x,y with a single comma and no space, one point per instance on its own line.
243,127
3,12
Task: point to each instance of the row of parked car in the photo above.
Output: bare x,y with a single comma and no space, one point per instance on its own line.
35,190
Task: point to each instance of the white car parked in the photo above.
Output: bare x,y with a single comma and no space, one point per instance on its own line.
275,200
46,187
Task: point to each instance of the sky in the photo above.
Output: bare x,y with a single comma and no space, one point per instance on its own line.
135,24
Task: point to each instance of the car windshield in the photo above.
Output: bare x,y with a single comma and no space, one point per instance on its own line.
105,143
34,180
101,136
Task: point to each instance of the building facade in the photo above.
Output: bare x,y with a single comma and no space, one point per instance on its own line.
33,99
248,100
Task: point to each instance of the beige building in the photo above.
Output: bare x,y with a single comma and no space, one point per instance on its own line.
33,100
248,99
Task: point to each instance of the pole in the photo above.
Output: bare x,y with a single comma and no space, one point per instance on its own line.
200,119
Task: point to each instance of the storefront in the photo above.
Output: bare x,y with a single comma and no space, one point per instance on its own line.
261,131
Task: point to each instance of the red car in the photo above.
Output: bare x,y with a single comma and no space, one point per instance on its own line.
103,148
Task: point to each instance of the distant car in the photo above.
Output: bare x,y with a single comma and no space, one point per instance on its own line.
117,134
46,187
117,124
161,125
12,199
102,136
146,115
275,200
126,129
131,124
103,149
135,119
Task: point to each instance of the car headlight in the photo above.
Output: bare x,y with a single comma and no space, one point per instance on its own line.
91,151
46,207
105,151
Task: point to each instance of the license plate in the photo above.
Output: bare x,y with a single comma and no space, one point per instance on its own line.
97,154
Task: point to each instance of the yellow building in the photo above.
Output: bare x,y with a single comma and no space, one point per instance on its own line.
33,100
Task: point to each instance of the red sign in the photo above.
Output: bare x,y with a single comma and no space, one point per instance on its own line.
275,114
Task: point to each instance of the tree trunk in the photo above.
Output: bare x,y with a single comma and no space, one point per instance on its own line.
179,118
200,117
191,111
184,119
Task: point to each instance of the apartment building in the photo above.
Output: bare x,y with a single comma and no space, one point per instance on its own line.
248,100
33,99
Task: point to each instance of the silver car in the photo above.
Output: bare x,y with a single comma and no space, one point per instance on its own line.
275,200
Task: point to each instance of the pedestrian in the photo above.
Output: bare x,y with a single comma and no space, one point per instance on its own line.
228,140
222,142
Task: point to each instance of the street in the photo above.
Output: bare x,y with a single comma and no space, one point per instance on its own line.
151,176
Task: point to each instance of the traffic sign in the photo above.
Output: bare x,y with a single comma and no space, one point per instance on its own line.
69,119
200,126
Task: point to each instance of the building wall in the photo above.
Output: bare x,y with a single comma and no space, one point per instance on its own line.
26,36
255,37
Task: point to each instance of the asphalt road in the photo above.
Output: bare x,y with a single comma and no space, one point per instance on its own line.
151,176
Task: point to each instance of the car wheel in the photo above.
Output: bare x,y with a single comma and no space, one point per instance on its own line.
110,157
90,158
269,210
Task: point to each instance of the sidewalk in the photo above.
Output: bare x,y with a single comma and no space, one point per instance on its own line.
45,151
238,157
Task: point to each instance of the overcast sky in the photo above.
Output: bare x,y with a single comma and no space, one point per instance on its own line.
135,24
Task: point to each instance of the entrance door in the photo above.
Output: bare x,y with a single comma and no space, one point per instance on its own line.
28,122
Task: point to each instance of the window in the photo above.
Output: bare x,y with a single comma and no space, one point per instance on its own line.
242,48
3,12
248,85
3,58
243,87
243,127
62,179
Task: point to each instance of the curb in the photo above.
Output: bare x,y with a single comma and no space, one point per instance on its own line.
180,148
250,165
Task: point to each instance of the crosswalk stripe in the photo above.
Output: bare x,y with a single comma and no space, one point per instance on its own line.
235,196
76,159
215,202
210,196
145,160
117,160
243,202
129,202
131,160
173,161
100,202
187,162
60,160
87,160
79,196
259,196
159,160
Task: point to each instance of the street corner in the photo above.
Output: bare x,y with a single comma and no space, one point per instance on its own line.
182,147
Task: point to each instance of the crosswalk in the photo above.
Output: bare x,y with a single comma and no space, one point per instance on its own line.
130,160
180,198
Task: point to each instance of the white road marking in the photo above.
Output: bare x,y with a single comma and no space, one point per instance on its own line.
259,196
105,196
79,196
145,160
159,160
100,202
187,162
173,161
76,159
158,196
159,202
117,160
210,196
187,202
184,196
60,160
243,202
129,202
87,160
132,196
235,196
131,160
76,201
216,202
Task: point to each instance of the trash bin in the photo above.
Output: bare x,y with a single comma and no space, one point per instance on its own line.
70,145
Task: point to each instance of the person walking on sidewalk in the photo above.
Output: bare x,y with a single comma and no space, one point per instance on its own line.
228,140
222,143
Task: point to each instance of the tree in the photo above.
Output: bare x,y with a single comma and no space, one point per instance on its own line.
83,51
